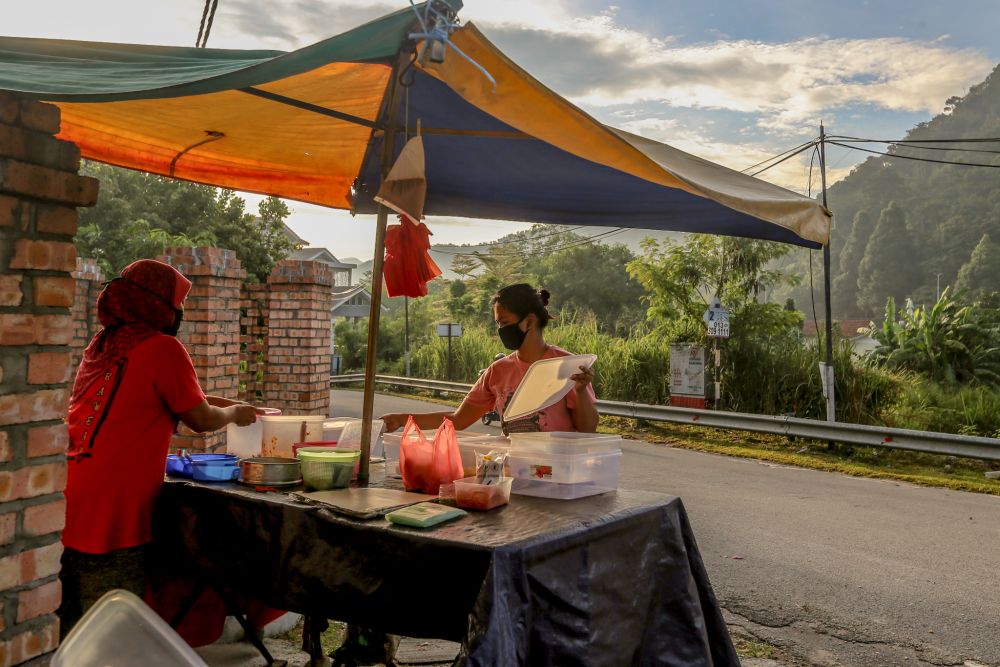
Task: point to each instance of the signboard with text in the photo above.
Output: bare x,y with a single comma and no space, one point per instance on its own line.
717,320
450,330
687,370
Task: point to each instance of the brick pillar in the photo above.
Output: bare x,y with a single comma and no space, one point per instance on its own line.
89,277
39,190
211,328
297,376
253,343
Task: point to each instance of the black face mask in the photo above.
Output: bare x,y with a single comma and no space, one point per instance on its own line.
511,335
176,326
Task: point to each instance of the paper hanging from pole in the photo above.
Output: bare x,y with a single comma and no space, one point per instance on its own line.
405,188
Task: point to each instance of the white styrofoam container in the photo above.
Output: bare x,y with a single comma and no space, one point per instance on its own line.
565,476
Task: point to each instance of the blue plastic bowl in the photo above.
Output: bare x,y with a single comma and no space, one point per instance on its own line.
178,466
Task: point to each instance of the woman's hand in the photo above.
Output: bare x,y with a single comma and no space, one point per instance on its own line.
393,421
244,414
583,378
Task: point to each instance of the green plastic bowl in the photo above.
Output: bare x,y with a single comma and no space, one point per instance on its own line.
324,469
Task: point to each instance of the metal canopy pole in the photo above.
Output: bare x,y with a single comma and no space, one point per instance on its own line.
831,399
388,145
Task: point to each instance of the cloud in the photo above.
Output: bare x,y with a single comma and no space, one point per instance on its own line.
787,83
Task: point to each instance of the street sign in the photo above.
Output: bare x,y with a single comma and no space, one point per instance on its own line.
717,320
687,370
450,330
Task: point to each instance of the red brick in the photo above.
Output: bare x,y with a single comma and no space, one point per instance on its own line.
44,255
40,116
5,453
47,440
38,148
41,405
38,601
10,290
40,563
8,210
49,367
10,109
26,329
10,572
61,187
8,524
56,220
35,642
45,479
54,291
44,519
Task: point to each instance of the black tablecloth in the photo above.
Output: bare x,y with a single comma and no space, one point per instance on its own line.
614,579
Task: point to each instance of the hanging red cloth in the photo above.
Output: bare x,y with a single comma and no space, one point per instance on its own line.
408,264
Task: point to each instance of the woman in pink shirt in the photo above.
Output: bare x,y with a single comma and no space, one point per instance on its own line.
521,316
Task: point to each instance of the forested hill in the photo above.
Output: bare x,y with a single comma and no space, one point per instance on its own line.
901,222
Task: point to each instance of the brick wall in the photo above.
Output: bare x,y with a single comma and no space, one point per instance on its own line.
39,192
211,328
297,375
254,316
89,278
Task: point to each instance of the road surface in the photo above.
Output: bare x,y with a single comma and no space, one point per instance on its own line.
836,570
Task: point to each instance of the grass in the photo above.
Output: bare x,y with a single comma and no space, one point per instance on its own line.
330,639
754,648
876,462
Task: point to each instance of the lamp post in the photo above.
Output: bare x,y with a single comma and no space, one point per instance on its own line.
937,296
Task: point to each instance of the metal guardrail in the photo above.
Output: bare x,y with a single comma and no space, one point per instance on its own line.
856,434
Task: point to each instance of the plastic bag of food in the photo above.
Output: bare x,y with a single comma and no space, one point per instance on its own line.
425,465
489,467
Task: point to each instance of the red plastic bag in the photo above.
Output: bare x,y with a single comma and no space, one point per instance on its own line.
408,265
426,465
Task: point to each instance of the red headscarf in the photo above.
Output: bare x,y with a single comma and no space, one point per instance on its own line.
143,301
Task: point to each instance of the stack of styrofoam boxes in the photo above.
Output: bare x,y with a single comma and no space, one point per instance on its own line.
564,465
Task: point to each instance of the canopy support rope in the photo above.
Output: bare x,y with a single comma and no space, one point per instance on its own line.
212,136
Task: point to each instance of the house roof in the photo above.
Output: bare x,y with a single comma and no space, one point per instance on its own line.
321,255
343,294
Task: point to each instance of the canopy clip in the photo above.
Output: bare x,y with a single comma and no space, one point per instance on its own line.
436,26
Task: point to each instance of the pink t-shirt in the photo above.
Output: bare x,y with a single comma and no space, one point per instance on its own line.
496,387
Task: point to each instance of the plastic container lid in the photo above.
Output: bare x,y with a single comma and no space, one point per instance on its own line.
565,442
121,631
546,383
327,455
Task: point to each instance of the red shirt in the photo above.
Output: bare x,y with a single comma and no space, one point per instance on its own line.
496,387
120,430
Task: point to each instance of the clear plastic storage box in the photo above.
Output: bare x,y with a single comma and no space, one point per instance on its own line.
562,442
566,476
121,631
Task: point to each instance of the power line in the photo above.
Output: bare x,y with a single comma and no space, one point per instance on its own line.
908,144
787,157
207,17
913,157
973,140
774,157
499,243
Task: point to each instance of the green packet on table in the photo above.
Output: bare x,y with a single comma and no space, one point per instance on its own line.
423,515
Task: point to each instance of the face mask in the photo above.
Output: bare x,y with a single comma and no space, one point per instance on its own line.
511,335
176,326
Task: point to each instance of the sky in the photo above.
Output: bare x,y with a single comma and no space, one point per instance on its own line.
732,81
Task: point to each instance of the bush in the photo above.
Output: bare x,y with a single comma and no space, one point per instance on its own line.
928,406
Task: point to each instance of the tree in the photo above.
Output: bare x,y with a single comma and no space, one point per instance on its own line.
593,278
982,271
138,214
888,268
845,283
682,278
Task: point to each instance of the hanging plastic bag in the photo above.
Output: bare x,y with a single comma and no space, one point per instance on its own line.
426,465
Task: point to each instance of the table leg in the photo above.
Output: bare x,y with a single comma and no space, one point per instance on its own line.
312,630
248,630
187,604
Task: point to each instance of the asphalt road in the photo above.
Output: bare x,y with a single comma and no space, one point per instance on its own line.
836,570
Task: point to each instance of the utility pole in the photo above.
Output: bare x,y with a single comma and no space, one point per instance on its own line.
406,332
937,293
828,377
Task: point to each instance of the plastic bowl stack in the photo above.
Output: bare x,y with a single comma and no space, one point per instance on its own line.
324,468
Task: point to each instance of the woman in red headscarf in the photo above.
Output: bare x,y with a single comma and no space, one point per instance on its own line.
135,383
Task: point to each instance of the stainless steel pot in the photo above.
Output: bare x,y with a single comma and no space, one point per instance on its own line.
270,471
